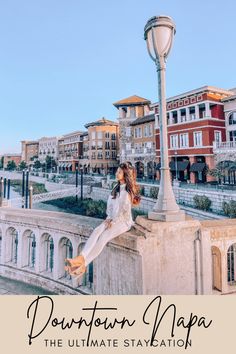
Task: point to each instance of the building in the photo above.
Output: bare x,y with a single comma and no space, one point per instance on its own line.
195,120
225,151
70,148
101,146
48,146
130,109
29,151
11,157
137,135
84,162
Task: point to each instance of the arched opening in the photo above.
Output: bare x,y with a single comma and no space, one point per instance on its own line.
216,268
151,170
87,278
11,251
31,250
65,251
28,249
231,264
140,169
47,253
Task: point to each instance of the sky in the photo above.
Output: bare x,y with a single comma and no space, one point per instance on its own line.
64,63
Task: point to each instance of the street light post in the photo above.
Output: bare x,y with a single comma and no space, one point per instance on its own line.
158,33
176,166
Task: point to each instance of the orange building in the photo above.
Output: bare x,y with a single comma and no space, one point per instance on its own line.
11,157
100,147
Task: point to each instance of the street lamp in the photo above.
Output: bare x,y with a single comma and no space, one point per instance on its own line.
176,166
159,33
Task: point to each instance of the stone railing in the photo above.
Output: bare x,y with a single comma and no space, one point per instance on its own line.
151,258
222,147
141,151
34,244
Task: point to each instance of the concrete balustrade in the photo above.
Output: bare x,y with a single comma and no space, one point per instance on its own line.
186,257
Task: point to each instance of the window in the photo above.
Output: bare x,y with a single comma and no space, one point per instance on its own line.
150,129
132,112
128,131
197,138
107,135
232,135
146,130
138,132
232,118
107,154
93,135
99,135
128,146
218,136
107,145
174,141
183,140
99,144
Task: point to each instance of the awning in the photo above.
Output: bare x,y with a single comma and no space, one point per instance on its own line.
197,167
69,164
181,165
112,164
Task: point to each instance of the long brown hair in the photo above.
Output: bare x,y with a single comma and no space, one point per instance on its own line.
131,186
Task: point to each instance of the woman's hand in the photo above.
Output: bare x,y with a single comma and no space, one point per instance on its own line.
108,223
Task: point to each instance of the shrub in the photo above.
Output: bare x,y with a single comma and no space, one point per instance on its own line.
136,212
142,190
229,208
154,192
202,202
95,208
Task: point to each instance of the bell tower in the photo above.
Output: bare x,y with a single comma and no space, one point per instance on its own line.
130,109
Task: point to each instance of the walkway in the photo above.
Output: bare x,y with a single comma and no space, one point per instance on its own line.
15,287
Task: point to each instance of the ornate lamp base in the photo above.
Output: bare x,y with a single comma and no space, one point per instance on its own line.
167,216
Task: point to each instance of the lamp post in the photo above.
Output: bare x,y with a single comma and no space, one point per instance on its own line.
176,166
76,182
159,33
81,183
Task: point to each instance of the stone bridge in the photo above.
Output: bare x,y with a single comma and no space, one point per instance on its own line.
188,257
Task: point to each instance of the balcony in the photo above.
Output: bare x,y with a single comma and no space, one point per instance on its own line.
141,152
224,147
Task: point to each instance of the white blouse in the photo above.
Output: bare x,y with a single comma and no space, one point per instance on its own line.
119,208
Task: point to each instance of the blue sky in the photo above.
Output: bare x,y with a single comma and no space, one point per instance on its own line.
64,62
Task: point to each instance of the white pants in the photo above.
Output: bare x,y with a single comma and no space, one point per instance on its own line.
99,238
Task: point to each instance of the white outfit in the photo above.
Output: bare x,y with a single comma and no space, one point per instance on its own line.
119,210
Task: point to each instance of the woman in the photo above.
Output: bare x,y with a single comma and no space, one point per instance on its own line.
119,219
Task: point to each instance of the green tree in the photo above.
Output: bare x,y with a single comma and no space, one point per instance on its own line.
11,165
37,164
22,165
49,163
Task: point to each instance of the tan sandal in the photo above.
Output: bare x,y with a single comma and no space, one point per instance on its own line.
79,272
75,262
